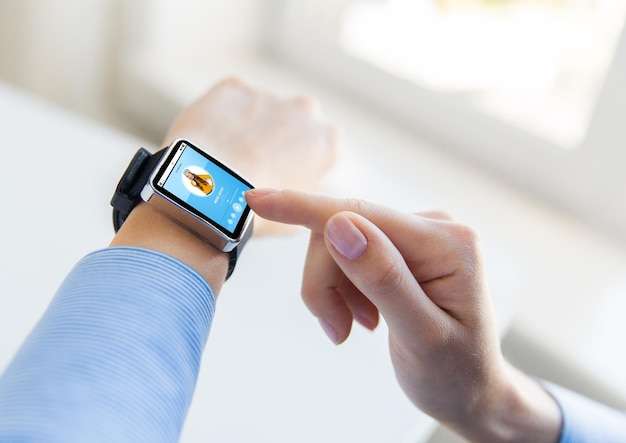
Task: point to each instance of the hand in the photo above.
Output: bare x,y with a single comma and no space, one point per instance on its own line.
284,143
424,274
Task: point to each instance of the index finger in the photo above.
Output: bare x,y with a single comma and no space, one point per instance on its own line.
311,210
431,246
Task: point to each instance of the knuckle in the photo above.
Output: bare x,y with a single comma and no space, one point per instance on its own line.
469,247
358,206
468,237
464,233
389,278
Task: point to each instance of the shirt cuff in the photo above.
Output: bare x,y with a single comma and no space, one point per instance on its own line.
585,420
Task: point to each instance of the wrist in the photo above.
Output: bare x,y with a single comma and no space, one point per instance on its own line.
148,228
517,409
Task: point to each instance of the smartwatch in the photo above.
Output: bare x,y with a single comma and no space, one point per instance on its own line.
192,188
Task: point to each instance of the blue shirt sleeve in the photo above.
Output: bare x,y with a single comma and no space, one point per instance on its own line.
114,358
587,421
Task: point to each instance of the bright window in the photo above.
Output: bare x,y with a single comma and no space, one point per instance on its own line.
533,91
536,64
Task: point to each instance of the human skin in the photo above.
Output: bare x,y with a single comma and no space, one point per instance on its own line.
271,141
255,132
424,274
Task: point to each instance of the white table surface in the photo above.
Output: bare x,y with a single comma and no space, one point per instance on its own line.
268,374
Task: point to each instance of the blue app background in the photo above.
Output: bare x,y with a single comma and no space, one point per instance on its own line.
224,205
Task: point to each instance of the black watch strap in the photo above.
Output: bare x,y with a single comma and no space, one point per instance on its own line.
128,194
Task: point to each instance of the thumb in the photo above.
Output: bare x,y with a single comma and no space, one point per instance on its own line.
376,268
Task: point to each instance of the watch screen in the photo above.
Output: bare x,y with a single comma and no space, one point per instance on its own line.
204,186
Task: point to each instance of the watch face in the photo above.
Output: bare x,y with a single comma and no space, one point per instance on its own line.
202,185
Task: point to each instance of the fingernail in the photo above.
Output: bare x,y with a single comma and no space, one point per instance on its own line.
261,192
329,330
346,237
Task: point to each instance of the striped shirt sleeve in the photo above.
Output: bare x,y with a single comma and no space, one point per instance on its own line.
116,355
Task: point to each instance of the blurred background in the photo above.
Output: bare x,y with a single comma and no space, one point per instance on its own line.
508,113
532,88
